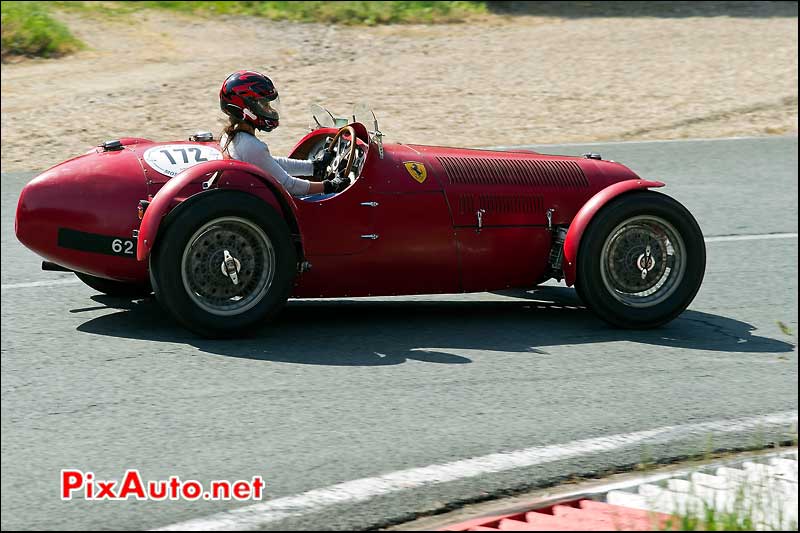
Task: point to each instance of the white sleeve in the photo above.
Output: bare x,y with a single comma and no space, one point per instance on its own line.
252,150
295,167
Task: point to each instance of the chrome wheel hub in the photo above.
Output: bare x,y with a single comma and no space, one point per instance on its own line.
230,267
646,262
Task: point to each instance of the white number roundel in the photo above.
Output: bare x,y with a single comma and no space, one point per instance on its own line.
172,159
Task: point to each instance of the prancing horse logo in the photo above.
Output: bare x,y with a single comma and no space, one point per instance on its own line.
417,170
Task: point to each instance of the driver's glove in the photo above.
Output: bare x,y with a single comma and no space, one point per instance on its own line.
321,162
335,185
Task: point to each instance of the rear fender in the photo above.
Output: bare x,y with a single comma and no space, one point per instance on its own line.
584,217
164,199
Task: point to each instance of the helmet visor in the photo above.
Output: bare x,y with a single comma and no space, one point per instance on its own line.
270,109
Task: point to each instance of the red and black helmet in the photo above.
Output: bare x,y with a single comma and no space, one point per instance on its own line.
250,96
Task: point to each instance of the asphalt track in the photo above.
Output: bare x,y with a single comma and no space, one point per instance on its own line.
336,391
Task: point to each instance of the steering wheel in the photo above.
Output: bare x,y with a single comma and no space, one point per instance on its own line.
345,156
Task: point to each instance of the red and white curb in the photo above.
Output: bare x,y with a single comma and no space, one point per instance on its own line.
762,489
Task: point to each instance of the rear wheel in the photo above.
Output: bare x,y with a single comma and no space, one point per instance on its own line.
641,260
115,288
224,264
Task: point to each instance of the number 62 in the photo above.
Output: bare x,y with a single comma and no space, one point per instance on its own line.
118,245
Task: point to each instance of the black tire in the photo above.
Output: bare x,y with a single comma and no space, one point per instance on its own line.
628,235
190,285
579,292
115,288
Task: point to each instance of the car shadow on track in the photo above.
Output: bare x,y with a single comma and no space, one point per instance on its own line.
368,332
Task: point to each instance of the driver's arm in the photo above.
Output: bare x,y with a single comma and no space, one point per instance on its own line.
296,167
295,186
256,152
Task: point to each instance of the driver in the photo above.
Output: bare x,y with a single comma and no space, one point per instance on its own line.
251,102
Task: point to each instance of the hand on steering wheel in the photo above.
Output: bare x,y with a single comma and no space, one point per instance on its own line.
342,162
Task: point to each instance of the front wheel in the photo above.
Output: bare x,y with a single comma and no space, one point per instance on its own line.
641,260
223,264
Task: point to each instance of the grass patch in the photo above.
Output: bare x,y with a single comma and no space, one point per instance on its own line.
712,520
744,518
786,330
29,30
343,12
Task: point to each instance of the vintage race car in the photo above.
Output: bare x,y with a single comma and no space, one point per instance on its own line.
223,246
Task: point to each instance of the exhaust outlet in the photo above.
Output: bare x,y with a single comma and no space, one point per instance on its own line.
53,267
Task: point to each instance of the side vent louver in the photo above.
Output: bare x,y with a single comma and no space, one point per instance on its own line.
509,204
525,172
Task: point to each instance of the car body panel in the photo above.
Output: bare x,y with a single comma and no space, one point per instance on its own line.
502,257
415,256
94,197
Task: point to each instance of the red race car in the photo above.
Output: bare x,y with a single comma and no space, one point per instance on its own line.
222,245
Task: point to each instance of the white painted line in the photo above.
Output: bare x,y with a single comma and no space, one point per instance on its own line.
763,236
48,283
349,492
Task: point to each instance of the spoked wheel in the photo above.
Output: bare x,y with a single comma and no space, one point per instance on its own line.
641,260
227,266
223,264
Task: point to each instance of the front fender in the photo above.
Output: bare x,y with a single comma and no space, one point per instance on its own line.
581,221
159,206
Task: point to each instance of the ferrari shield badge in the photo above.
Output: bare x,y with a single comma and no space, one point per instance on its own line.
417,170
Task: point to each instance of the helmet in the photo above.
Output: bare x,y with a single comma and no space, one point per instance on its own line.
250,96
